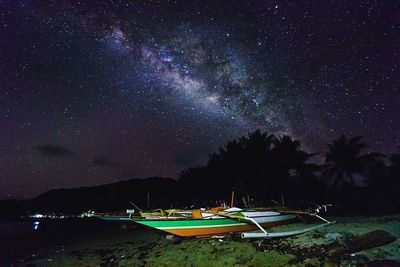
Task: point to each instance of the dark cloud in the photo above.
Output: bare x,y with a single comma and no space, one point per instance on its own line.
53,150
104,161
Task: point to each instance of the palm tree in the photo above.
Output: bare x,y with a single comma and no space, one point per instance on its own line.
264,166
296,174
394,169
345,160
259,165
392,183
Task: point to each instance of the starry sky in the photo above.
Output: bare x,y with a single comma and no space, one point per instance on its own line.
93,93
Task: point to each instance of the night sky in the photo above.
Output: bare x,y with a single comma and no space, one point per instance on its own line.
92,93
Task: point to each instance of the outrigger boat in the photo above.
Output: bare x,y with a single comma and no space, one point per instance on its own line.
229,221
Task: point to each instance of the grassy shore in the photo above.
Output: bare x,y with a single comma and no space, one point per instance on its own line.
110,246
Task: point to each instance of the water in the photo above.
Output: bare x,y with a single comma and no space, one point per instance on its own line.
19,237
12,229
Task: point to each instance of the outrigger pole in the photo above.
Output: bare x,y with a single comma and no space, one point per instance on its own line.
265,234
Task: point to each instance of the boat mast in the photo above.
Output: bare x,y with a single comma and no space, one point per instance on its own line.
148,200
232,197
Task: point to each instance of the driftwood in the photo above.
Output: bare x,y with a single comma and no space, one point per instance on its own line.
369,240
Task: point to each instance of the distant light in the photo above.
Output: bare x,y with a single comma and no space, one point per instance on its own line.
36,225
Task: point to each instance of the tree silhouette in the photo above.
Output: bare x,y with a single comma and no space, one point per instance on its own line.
298,175
394,180
345,160
382,194
262,166
289,174
394,169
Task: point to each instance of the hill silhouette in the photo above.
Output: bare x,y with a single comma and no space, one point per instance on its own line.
162,193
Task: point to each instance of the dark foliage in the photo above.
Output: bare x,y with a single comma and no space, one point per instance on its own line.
344,160
348,171
383,186
261,166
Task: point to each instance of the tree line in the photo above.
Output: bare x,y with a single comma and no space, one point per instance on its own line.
264,169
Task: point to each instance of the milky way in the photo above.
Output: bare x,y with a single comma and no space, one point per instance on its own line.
209,73
92,92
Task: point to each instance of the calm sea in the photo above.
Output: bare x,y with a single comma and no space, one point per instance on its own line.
13,229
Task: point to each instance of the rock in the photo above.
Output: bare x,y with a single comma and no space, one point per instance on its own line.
369,240
383,263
